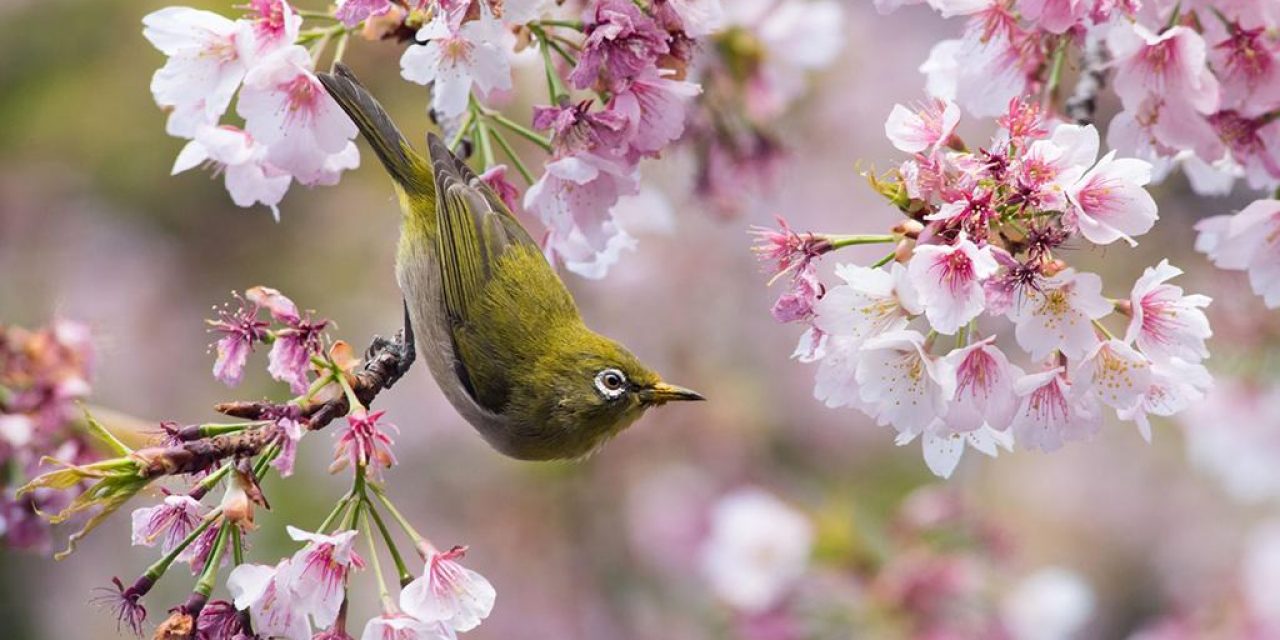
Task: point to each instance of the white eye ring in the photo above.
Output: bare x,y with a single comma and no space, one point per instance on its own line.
611,383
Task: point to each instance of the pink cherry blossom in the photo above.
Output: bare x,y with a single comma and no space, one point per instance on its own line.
1248,66
1247,241
1110,201
871,302
1165,322
1053,411
1058,315
943,447
1173,386
274,26
926,127
1171,64
291,431
654,105
449,593
984,388
317,573
1055,16
1254,144
171,520
621,42
1116,373
241,329
696,18
453,60
796,305
249,177
576,129
835,383
573,199
205,67
508,193
287,109
901,384
365,443
398,626
274,607
948,279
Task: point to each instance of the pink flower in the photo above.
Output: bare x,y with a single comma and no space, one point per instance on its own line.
398,626
948,279
267,593
797,304
287,109
621,42
365,443
1165,323
1052,411
275,26
1116,373
453,60
575,129
204,69
871,302
290,357
654,106
1254,144
291,430
573,199
1110,201
984,388
927,127
317,573
353,12
449,593
1174,386
989,66
1059,314
943,447
787,249
1247,241
508,193
1171,64
249,178
1248,66
173,520
901,384
1055,16
240,329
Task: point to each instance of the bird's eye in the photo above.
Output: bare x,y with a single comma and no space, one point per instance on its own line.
611,383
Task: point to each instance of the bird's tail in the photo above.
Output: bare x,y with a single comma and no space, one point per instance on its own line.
409,169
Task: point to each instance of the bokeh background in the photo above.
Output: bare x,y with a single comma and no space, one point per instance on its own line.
92,227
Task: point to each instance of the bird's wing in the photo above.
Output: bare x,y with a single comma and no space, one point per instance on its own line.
475,230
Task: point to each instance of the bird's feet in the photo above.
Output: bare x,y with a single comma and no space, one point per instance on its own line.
399,352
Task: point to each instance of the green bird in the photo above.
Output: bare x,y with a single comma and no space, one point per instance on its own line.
495,324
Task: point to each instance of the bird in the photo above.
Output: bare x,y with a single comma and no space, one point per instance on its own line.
488,313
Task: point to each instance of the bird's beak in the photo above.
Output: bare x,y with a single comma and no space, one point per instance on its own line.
662,393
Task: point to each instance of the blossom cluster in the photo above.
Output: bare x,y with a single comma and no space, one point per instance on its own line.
298,597
615,74
1198,85
43,374
980,254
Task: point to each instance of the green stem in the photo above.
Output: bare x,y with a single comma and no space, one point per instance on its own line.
237,546
486,145
353,517
840,242
159,567
418,540
522,131
576,25
338,508
339,50
515,157
403,571
462,130
1055,71
204,586
885,260
383,593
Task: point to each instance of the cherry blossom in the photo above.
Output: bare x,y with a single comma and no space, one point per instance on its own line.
654,106
1170,63
249,177
453,60
205,67
1053,411
871,302
398,626
902,384
1058,314
448,593
1118,375
317,573
924,128
364,443
1110,201
353,12
170,522
984,388
1247,241
943,448
274,607
621,42
1165,323
1174,386
276,25
286,108
573,200
948,279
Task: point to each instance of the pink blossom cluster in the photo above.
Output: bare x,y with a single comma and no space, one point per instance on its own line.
43,374
614,71
292,129
1198,84
979,258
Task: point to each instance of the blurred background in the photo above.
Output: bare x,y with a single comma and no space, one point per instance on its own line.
93,228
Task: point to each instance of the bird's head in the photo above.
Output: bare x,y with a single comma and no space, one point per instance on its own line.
600,388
